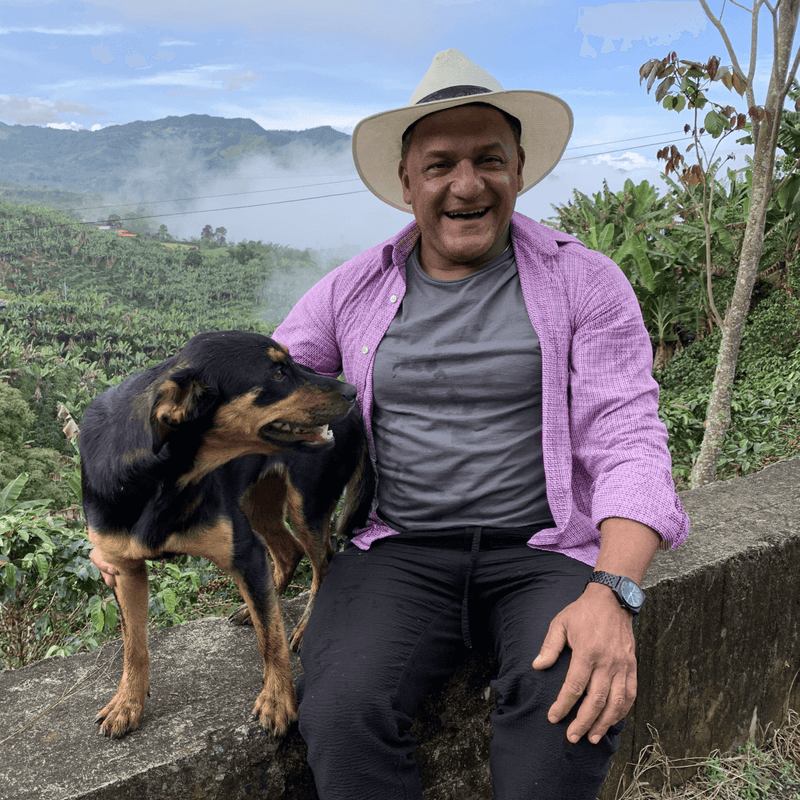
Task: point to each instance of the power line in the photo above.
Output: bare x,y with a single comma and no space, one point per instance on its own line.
230,208
633,139
212,196
622,149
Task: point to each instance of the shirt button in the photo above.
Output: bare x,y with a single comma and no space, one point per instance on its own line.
393,298
365,349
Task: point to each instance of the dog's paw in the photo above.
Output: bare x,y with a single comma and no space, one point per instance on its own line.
240,616
275,714
121,716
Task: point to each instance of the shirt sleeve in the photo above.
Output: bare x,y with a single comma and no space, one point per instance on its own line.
309,330
618,440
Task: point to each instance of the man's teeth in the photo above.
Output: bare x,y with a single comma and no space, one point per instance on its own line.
465,214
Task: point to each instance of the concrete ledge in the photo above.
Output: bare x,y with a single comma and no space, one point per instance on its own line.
719,646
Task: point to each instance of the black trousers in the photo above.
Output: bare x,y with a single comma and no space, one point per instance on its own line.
392,621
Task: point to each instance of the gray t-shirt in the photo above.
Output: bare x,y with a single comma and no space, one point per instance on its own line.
457,414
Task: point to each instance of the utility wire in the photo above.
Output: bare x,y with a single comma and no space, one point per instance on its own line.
212,196
229,208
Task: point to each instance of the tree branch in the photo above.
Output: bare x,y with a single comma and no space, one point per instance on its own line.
725,38
792,72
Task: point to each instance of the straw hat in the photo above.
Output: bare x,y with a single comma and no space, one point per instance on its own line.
454,80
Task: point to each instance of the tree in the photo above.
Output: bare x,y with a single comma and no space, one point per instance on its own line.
765,121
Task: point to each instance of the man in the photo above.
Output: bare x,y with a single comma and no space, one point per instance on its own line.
524,481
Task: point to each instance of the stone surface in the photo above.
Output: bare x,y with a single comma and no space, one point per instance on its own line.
718,641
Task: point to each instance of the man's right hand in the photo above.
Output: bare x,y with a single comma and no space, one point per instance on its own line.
108,571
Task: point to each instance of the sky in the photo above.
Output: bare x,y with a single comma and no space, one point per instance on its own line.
297,64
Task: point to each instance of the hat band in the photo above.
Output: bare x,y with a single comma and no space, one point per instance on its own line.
449,92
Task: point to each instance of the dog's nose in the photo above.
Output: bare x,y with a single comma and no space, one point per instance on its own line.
349,392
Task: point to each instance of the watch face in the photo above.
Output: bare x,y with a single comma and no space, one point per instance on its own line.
633,595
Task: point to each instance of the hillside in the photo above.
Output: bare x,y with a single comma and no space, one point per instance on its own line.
100,161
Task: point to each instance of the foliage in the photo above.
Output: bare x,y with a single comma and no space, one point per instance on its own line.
43,250
15,457
765,406
49,591
53,600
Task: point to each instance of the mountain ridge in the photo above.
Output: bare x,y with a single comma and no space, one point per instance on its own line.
99,161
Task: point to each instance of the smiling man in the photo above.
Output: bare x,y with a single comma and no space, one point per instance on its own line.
523,476
524,481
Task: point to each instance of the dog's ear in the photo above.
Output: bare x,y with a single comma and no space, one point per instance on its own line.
179,399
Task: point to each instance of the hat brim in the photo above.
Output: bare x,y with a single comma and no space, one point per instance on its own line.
546,127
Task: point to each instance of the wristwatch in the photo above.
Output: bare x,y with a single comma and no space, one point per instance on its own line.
628,592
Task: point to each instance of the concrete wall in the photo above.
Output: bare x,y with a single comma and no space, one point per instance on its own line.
718,642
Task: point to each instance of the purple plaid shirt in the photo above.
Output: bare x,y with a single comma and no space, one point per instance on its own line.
605,449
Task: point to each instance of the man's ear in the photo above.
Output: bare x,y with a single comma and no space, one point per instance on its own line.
179,399
520,165
402,173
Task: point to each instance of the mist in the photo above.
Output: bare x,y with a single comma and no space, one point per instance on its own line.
264,197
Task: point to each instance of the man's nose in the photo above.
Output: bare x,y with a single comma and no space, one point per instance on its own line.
467,182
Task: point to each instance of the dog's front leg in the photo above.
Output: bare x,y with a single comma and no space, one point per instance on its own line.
276,706
124,713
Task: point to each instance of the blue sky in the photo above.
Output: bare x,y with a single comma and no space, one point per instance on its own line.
303,63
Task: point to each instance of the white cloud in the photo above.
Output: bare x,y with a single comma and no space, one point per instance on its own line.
412,21
297,114
65,126
38,111
656,22
99,29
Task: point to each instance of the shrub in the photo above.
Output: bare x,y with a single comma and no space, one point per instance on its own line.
42,465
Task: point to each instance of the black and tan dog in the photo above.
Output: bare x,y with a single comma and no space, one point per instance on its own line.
206,454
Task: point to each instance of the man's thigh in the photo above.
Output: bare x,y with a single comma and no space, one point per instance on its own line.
516,598
386,624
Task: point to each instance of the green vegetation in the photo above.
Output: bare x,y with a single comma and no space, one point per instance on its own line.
660,244
80,310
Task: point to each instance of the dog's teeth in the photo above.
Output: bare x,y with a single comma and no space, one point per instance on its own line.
326,432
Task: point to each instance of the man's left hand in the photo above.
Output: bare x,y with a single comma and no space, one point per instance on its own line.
603,663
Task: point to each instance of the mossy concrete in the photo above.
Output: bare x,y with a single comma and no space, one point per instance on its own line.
718,644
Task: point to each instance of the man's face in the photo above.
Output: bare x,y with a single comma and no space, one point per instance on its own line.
461,176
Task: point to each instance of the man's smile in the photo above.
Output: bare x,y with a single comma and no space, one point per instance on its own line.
466,214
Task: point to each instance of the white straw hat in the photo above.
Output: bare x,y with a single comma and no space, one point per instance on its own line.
453,80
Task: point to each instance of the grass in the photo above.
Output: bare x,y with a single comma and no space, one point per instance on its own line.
769,771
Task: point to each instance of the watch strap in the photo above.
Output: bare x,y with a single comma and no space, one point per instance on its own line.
613,582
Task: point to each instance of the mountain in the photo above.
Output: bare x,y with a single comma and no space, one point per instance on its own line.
102,161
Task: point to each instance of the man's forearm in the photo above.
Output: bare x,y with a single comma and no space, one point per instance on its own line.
626,547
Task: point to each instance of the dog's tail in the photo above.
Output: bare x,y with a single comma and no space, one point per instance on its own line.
358,496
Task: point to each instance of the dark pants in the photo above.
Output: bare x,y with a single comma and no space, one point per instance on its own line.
392,621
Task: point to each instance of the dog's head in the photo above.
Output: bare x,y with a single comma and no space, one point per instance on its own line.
243,394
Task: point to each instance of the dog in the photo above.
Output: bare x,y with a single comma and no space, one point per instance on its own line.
205,454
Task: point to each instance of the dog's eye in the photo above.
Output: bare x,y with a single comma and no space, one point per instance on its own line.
278,376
